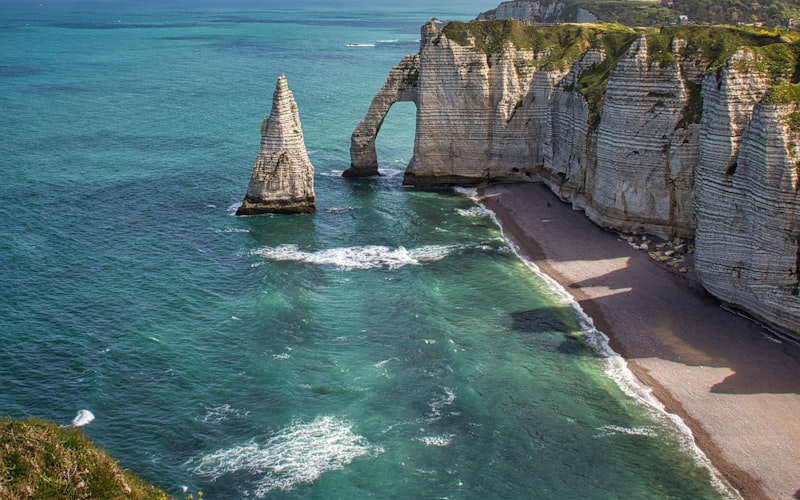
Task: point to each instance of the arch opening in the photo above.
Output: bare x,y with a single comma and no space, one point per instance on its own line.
394,141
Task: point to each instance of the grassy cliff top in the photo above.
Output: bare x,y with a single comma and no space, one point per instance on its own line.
563,43
777,53
654,13
39,459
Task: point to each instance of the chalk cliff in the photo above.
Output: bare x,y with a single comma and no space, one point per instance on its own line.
283,176
670,132
529,11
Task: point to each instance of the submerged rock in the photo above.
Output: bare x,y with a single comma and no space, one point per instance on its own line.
283,176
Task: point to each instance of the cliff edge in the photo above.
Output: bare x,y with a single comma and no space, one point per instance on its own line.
685,132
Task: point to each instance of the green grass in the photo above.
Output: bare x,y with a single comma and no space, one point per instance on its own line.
788,93
777,53
41,460
651,13
714,45
558,46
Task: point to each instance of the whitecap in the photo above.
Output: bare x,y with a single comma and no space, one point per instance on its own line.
611,430
83,417
439,441
332,173
438,404
392,172
616,367
338,210
221,413
233,208
477,211
364,257
381,364
468,192
297,454
360,44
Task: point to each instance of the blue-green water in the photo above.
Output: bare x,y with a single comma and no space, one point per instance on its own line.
390,346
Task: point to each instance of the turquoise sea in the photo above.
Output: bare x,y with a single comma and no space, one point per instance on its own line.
390,346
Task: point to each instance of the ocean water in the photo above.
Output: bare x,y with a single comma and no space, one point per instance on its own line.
390,346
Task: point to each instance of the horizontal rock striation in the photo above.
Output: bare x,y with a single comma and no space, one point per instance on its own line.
283,176
670,132
747,235
399,87
528,11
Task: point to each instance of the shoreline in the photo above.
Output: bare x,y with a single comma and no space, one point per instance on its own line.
736,387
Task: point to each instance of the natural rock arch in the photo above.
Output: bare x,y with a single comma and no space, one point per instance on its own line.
400,86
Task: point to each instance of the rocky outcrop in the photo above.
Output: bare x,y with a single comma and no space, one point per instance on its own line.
656,132
400,86
527,11
747,234
644,162
283,176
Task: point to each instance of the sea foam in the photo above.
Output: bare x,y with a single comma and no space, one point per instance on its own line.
363,257
616,367
299,453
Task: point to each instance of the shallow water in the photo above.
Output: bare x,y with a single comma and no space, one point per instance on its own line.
392,345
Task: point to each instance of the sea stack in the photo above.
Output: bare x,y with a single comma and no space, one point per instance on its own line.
283,176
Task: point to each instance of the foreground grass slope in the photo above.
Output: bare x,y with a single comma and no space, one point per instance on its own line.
39,459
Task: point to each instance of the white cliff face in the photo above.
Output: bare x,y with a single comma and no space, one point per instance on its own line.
569,168
454,112
747,203
400,86
642,179
522,124
283,176
529,11
668,150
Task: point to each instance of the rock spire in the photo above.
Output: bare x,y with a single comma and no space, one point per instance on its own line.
283,176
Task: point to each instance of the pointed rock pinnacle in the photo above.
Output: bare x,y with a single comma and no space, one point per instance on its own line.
283,176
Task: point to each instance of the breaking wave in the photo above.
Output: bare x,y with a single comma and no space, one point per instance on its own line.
438,441
477,211
611,430
221,413
364,257
297,454
438,405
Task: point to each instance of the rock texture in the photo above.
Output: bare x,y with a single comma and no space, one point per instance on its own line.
283,176
747,247
400,86
528,11
646,132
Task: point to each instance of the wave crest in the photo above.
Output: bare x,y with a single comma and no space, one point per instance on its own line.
299,453
363,257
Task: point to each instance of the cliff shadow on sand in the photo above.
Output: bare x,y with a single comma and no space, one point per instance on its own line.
736,387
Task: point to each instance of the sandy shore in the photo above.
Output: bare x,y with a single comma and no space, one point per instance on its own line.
735,387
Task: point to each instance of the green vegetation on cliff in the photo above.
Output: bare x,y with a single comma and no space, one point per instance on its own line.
712,46
656,13
788,93
777,53
558,46
39,459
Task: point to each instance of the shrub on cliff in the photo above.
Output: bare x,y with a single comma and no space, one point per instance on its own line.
39,459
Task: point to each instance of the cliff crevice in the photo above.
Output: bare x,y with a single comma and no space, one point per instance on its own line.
687,132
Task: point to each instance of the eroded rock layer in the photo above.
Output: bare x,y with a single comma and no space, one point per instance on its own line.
283,176
652,131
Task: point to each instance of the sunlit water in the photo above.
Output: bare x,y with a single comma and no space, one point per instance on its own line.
390,346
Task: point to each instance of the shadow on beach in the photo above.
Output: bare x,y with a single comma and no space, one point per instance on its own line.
648,310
